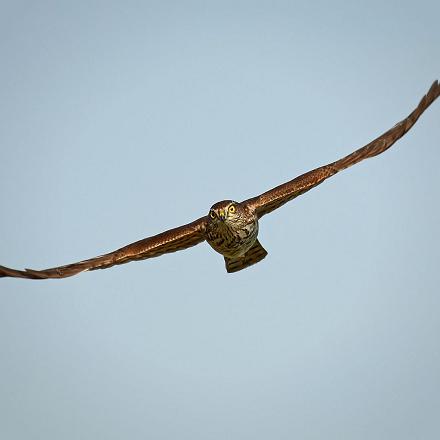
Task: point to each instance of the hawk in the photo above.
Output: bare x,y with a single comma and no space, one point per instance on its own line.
231,228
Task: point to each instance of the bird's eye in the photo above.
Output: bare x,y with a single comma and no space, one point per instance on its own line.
232,209
212,214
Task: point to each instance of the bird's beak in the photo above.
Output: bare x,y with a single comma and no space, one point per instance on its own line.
222,215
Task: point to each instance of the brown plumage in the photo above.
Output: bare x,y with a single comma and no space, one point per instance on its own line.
231,228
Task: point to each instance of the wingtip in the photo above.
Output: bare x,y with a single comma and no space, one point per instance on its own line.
434,91
432,94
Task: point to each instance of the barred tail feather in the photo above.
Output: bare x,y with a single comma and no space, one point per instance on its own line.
255,254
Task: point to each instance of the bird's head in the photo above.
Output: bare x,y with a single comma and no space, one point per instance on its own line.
226,211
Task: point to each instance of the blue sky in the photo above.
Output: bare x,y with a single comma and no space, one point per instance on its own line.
120,120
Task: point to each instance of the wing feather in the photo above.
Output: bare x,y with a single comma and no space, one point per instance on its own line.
169,241
278,196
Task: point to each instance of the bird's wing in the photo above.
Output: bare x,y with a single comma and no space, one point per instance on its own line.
169,241
278,196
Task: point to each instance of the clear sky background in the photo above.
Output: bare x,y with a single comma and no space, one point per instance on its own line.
122,119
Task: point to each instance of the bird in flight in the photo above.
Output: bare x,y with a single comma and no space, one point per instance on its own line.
231,228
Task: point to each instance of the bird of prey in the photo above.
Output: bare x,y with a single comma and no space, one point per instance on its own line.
231,228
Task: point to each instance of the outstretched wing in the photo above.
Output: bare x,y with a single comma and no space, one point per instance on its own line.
278,196
169,241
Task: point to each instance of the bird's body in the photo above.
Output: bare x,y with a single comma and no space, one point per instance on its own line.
231,234
231,228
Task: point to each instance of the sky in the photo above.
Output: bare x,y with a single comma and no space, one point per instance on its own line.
122,119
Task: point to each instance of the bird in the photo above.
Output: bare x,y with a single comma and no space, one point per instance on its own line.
230,227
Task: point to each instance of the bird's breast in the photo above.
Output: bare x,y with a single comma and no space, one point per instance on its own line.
232,240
